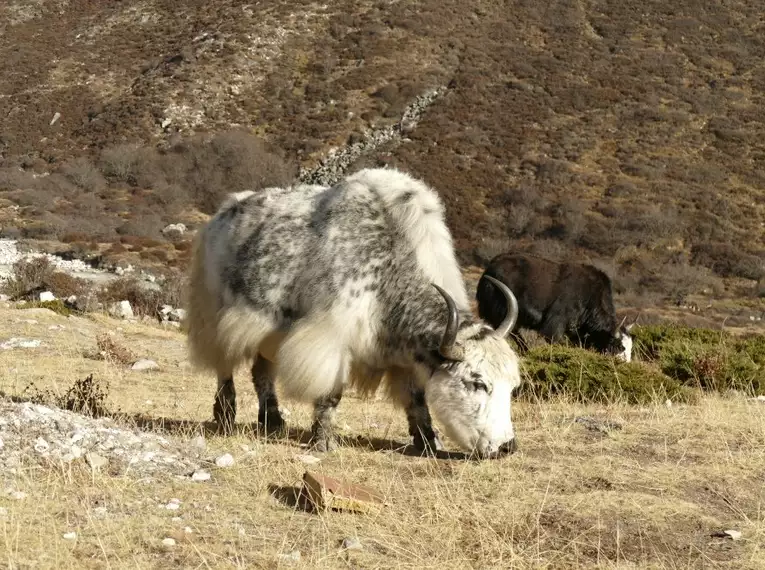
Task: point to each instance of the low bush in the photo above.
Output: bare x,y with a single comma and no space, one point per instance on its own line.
587,376
33,276
708,359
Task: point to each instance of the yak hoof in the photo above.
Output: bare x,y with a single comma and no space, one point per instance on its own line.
272,424
323,442
429,446
225,417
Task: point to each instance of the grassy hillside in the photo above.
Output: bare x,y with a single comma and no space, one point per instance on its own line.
625,134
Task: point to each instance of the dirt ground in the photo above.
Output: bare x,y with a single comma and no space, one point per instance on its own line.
653,492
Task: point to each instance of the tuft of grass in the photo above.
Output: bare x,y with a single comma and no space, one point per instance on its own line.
586,376
85,396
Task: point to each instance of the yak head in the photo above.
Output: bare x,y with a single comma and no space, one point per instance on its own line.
469,393
621,345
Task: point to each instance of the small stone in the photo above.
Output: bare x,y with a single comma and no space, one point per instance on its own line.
199,442
95,460
168,542
41,446
3,512
668,403
172,506
293,556
144,364
225,460
70,535
1,443
733,534
307,459
187,530
200,476
18,495
176,519
46,296
56,117
122,310
100,512
351,543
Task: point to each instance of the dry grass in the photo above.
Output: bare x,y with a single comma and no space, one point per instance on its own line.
649,495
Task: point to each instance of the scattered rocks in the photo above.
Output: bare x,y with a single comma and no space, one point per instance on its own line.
144,365
334,165
15,342
225,460
39,434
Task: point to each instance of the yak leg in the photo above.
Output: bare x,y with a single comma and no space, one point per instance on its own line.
224,409
268,405
424,437
322,433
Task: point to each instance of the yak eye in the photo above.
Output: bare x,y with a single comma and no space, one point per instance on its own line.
477,385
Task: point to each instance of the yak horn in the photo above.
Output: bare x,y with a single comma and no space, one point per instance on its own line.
448,348
512,308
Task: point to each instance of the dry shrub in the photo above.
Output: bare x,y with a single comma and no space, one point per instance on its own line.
86,396
38,274
84,174
143,300
108,349
728,261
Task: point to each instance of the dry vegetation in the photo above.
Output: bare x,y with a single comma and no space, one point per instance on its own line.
607,484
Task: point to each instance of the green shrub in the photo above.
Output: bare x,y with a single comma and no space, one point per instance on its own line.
57,306
588,376
711,360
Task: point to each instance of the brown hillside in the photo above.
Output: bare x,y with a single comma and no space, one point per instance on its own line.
624,133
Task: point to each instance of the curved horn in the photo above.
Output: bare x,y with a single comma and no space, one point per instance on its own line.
448,348
512,308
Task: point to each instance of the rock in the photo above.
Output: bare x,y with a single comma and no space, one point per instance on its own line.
95,460
225,460
4,298
293,556
15,342
122,310
41,446
351,543
17,495
199,442
307,459
144,365
328,493
172,505
168,542
177,315
47,296
174,231
1,443
200,476
3,512
56,117
70,535
594,424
